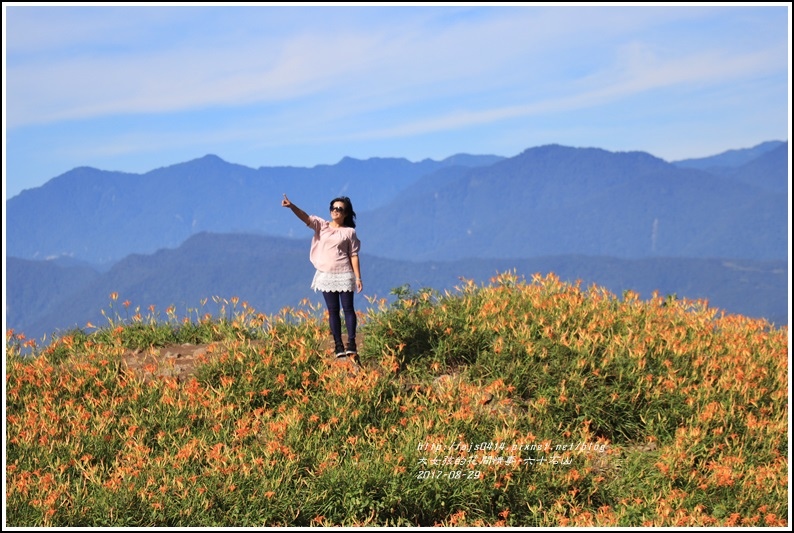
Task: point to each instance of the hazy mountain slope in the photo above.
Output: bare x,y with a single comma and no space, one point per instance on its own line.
769,171
271,273
730,158
101,216
38,286
557,200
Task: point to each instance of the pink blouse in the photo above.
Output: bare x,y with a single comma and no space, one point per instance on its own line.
332,248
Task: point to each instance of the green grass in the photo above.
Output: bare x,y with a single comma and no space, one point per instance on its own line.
514,403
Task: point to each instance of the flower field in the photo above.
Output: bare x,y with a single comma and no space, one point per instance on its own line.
516,403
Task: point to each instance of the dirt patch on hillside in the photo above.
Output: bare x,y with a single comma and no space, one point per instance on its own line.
175,360
181,360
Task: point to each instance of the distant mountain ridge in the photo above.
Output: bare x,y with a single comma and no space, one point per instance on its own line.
554,200
270,273
100,216
730,158
547,200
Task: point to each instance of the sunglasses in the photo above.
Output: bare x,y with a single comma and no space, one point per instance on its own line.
338,209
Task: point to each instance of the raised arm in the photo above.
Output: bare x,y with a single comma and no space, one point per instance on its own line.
295,209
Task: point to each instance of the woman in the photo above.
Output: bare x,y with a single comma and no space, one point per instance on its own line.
334,253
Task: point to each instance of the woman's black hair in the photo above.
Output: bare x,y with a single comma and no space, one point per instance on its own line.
350,215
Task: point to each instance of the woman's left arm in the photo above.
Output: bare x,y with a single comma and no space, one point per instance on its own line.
357,270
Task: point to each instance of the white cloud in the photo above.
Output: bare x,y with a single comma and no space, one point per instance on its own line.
635,72
106,67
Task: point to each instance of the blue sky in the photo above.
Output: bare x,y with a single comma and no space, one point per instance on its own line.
133,88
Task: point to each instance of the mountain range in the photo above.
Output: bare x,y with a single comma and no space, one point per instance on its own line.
714,228
101,217
555,200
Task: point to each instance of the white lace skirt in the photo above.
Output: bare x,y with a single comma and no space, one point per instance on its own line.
334,281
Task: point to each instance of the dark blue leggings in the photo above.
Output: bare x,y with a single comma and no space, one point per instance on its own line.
332,302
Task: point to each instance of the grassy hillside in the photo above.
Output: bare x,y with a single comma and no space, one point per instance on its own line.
517,403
